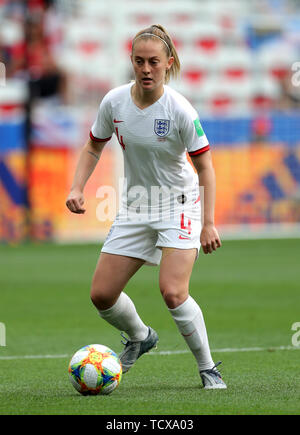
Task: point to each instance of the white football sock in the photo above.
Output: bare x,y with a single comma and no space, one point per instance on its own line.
190,322
123,316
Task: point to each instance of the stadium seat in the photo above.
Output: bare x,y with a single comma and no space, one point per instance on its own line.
94,10
143,14
181,14
210,8
11,32
76,63
216,97
266,92
234,63
146,13
276,59
207,37
195,69
12,96
125,36
191,93
224,96
86,39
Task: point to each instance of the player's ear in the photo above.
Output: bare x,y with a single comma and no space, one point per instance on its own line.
170,63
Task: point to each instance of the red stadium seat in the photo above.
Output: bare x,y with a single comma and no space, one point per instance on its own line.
206,37
234,63
280,73
12,97
217,96
195,68
221,103
178,43
266,92
276,59
89,47
222,96
84,39
207,43
143,19
128,45
194,75
235,73
262,102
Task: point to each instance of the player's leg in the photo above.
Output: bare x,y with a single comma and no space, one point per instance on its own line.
174,278
111,275
110,278
175,272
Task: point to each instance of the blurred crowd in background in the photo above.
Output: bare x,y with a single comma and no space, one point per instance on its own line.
236,55
29,37
240,69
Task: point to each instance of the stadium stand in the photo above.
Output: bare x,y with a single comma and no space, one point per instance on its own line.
235,41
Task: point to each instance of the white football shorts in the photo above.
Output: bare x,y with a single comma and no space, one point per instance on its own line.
144,238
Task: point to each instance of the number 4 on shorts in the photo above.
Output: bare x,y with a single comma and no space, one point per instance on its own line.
189,224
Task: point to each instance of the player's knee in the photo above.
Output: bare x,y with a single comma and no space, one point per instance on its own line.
100,297
173,295
95,297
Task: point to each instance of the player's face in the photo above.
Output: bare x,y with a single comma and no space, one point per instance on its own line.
150,62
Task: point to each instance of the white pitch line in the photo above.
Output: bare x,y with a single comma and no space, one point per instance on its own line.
14,357
228,349
164,352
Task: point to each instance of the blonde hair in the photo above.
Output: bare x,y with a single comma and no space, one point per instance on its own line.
158,31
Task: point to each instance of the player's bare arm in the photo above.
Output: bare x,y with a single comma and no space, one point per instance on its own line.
209,237
87,162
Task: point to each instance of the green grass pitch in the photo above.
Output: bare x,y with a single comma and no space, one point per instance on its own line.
249,294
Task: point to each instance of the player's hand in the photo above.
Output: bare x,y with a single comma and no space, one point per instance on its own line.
209,239
75,202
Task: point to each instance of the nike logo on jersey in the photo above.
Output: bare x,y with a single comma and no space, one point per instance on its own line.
184,238
115,121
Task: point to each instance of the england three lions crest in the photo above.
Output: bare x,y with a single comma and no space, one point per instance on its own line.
161,127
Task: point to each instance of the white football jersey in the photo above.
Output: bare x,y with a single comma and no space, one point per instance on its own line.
154,141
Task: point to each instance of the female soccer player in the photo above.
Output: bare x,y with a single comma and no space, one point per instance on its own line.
159,221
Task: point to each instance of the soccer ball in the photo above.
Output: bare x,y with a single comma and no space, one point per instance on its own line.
95,369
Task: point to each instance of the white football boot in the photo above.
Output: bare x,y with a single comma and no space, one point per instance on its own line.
135,349
212,379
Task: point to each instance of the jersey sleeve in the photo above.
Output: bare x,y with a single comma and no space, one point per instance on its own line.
102,129
192,133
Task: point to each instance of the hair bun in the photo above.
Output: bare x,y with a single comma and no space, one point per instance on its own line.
159,27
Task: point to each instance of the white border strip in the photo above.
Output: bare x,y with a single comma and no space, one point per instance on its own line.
166,352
